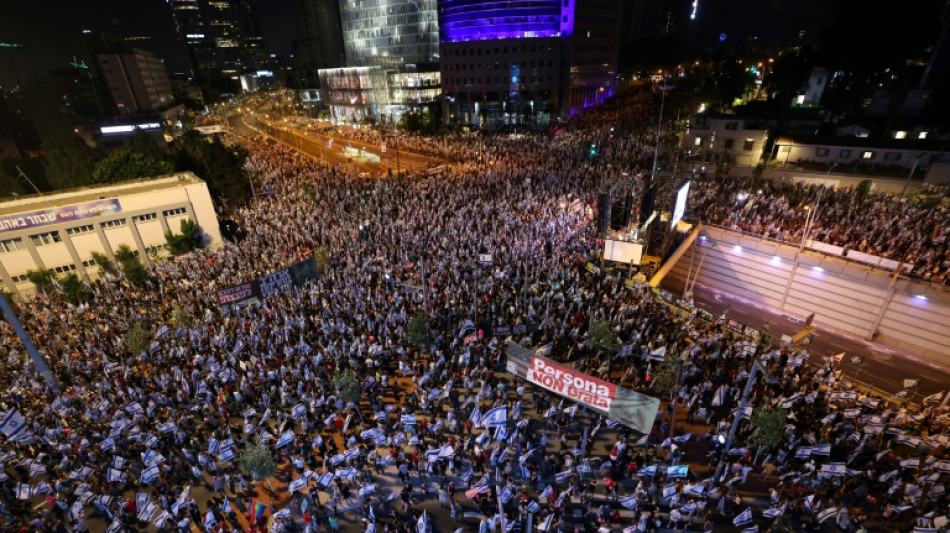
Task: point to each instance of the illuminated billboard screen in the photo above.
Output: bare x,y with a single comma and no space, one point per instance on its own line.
680,206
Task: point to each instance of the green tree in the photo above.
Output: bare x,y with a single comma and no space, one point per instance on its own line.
417,332
258,461
666,378
127,164
4,293
221,167
67,160
603,339
862,190
768,427
347,387
180,317
103,262
132,268
322,257
187,241
73,289
43,279
137,338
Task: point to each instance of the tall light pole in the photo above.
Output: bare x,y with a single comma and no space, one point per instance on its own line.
659,125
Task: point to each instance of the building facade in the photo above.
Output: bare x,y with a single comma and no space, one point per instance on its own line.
526,61
221,39
406,30
319,40
137,81
384,92
59,232
714,136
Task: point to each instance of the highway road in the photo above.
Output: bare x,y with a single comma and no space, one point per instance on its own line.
883,367
318,145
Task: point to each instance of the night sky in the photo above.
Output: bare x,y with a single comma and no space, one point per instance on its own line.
51,30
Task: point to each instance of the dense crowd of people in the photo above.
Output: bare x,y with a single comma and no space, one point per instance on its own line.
878,224
135,438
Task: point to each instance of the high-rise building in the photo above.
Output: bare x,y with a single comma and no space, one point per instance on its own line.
526,61
319,44
406,30
221,39
137,81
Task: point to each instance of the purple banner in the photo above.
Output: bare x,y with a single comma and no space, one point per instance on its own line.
59,215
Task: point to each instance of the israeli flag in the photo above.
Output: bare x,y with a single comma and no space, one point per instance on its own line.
501,433
476,416
774,512
658,354
167,427
669,490
468,475
547,492
564,476
826,514
422,526
547,523
380,440
115,476
13,425
505,495
834,469
296,485
249,412
381,415
337,459
285,439
226,455
367,490
134,408
351,454
326,479
298,411
495,418
147,511
162,332
209,520
753,529
910,463
76,511
398,439
408,420
744,517
348,473
434,393
24,491
149,475
629,502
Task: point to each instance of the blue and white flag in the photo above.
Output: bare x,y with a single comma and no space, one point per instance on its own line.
753,529
13,425
147,511
351,454
226,455
182,499
153,458
162,332
349,473
213,446
134,408
115,476
476,417
826,514
227,505
505,495
298,411
547,492
563,477
149,475
209,520
408,420
398,439
533,507
285,439
249,412
547,523
24,491
76,511
367,490
658,354
744,517
834,469
337,459
326,478
495,417
774,512
296,485
422,526
629,502
167,427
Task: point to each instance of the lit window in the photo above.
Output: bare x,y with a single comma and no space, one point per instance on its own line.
867,154
900,135
922,135
698,141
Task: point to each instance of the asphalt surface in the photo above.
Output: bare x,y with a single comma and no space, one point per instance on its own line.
883,367
318,145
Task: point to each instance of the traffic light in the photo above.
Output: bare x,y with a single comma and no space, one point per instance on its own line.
593,150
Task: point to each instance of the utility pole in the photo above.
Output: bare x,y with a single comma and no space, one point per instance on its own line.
659,126
756,365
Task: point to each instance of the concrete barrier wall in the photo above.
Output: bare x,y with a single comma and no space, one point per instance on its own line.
848,297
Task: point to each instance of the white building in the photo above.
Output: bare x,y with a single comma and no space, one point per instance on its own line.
60,231
712,135
867,152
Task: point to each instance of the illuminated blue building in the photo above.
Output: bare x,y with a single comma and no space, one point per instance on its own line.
526,61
